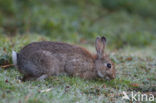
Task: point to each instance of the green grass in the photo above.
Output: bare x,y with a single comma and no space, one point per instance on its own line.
136,70
129,26
81,21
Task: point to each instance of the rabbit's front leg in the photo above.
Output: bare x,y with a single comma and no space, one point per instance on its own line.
88,75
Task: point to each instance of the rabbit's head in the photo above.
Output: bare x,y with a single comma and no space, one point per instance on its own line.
104,66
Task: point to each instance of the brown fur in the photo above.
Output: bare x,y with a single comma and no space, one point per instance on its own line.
55,58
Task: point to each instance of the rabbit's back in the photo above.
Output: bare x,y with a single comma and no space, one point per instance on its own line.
55,58
55,48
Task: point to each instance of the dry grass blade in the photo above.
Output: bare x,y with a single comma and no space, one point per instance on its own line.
46,90
6,66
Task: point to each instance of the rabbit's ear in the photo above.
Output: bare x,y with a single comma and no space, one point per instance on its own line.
100,46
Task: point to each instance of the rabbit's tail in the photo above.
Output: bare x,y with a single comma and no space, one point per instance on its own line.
14,58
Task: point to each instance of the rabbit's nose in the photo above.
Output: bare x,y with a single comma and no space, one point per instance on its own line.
107,78
112,76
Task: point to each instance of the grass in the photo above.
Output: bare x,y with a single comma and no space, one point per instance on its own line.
136,70
77,22
130,30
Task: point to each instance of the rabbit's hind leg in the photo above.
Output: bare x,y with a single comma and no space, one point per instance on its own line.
30,72
42,77
31,78
28,78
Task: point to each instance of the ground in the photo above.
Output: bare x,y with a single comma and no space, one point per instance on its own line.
128,25
136,71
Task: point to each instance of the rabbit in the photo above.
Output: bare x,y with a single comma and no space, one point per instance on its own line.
40,60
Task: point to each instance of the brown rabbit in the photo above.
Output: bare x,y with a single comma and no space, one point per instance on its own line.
40,60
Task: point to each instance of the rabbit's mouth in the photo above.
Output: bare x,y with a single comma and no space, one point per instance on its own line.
110,77
107,78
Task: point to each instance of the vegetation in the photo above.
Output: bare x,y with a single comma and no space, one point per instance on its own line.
136,71
130,28
121,20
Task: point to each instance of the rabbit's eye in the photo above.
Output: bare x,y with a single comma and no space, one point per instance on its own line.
109,65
